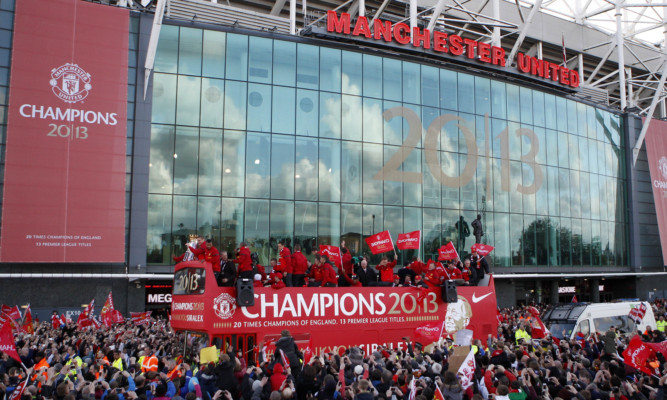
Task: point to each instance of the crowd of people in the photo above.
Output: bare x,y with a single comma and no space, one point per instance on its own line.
150,362
292,268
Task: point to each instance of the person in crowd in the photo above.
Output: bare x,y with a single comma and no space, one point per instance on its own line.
208,253
396,281
367,276
243,261
196,243
276,280
479,266
386,269
299,266
329,278
452,273
285,261
435,275
227,276
316,273
348,265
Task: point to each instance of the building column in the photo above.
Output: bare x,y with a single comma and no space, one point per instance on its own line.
595,290
554,292
538,290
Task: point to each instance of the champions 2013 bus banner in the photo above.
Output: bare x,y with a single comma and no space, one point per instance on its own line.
64,188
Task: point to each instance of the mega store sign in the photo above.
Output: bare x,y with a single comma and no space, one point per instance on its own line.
64,180
441,42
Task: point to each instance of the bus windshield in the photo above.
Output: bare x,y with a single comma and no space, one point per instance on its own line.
190,281
561,330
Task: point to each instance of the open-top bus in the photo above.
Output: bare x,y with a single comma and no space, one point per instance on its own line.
326,318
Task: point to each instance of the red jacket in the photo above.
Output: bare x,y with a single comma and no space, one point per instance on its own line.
418,267
243,259
347,263
386,271
285,261
453,273
299,263
316,273
278,285
434,278
328,274
211,255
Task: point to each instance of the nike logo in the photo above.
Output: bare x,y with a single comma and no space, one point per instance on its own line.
476,299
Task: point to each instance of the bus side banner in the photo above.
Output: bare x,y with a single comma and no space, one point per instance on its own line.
64,181
656,151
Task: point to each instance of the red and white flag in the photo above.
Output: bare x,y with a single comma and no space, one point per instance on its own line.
117,317
539,330
308,352
659,347
27,322
637,313
429,332
637,355
574,299
447,252
410,240
85,319
284,359
466,371
17,394
483,249
7,344
413,389
333,253
13,312
139,318
438,394
107,312
55,321
380,242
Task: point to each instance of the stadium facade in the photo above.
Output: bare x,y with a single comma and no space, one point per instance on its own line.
244,124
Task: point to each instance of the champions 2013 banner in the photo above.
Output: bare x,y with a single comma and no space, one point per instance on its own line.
656,151
64,188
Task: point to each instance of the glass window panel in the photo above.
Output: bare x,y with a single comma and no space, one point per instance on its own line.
592,149
432,228
449,136
561,111
372,120
516,234
212,103
392,82
237,60
572,116
208,219
498,100
186,160
351,118
553,236
529,240
513,104
575,194
448,90
161,164
602,180
259,107
284,63
576,242
307,114
468,191
213,63
330,122
582,117
330,69
412,190
541,143
528,175
393,221
393,188
187,108
515,179
563,150
233,164
594,196
430,85
166,56
573,149
553,193
482,96
164,99
372,223
411,83
565,242
184,223
372,159
596,250
604,243
372,76
305,228
352,73
235,105
538,108
158,238
329,170
585,186
466,87
542,241
231,224
260,60
257,228
190,51
306,172
564,185
328,224
307,66
514,140
351,172
210,162
281,224
282,167
393,128
550,114
258,165
586,243
502,255
449,162
284,101
351,218
526,100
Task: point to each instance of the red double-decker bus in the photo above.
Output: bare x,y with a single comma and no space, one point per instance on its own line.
327,319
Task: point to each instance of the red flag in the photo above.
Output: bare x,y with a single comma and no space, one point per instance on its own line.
447,252
539,330
5,319
574,299
107,310
637,355
27,322
410,240
13,312
308,352
55,321
5,309
438,394
333,253
117,317
86,317
285,360
7,344
18,391
380,242
139,318
659,347
483,249
429,332
637,313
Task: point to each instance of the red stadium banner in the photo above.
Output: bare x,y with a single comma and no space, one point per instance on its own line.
410,240
656,151
64,188
333,253
447,252
380,242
